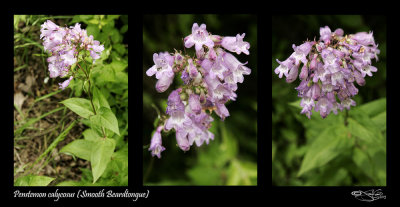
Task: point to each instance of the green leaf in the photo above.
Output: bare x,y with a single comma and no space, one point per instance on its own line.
380,121
94,21
330,143
115,36
373,108
93,30
242,173
120,48
101,156
98,99
363,132
107,74
33,180
80,106
90,135
118,65
124,29
105,118
229,145
80,148
296,104
373,164
69,183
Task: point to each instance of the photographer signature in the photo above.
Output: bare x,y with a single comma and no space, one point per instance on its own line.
369,195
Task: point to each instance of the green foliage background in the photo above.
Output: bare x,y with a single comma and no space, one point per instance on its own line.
325,152
230,159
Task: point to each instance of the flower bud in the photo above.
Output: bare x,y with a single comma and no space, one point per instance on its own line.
304,73
292,74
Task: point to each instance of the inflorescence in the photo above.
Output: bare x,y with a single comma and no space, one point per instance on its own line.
64,45
209,81
330,67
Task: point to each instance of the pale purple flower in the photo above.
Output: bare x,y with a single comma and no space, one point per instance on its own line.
176,110
69,58
194,103
346,103
96,50
366,70
217,68
307,103
54,71
163,83
230,80
162,65
324,106
292,76
325,33
178,58
339,32
182,139
156,143
221,111
337,78
314,92
236,67
284,67
364,38
313,63
320,73
64,84
359,78
191,69
175,103
303,73
300,52
47,28
236,44
185,77
199,37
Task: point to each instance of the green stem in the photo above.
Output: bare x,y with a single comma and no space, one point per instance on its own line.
87,74
346,115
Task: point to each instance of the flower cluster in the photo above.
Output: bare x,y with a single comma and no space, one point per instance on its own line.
64,45
330,67
210,80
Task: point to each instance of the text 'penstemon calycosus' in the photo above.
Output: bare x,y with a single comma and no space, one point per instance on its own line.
209,81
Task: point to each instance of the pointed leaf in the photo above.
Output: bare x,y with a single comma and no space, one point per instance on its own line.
33,180
80,148
380,121
80,106
373,108
90,135
101,156
106,118
330,143
99,100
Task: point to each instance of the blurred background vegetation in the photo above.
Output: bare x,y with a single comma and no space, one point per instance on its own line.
360,162
230,159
